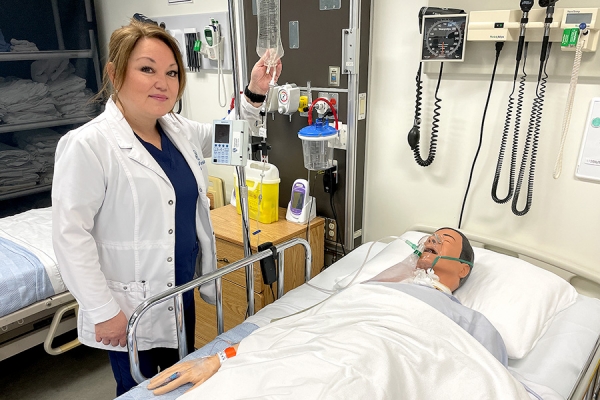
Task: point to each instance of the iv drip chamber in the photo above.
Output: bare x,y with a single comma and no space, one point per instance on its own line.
269,32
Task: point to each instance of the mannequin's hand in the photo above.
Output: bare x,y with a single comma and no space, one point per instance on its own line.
113,331
259,79
195,372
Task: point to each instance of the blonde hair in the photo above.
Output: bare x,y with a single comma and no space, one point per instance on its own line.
121,45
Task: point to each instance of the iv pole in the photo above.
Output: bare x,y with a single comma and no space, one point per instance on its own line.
240,75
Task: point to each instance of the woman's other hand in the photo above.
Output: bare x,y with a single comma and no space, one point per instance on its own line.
195,372
114,331
260,79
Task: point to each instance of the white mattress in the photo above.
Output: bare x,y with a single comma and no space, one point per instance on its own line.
33,230
550,369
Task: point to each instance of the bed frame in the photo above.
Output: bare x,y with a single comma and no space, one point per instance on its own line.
39,323
583,280
176,293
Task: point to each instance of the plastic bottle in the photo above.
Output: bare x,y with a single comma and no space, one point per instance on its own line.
269,32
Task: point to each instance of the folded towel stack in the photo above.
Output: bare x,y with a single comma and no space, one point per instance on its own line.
43,71
17,170
23,101
40,144
22,45
72,98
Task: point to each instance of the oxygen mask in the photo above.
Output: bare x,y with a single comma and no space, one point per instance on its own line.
432,249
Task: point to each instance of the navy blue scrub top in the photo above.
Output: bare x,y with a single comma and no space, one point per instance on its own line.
180,174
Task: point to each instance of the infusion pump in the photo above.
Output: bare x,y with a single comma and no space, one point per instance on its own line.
230,142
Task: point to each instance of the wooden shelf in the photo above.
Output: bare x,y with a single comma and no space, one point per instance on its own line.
25,192
44,55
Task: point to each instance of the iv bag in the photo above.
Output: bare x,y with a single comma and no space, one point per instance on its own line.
269,32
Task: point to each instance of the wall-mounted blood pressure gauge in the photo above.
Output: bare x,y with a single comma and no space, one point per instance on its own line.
444,37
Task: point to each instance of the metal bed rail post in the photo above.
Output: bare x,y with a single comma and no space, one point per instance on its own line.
177,292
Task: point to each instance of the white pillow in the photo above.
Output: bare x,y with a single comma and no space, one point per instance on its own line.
518,298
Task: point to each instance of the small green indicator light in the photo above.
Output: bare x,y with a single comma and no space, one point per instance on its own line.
596,122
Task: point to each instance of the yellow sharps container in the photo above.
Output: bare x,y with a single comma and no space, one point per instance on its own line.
261,178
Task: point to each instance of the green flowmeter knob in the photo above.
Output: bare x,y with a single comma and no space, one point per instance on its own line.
596,122
197,45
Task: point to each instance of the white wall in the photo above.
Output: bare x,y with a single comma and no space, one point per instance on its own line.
200,99
565,213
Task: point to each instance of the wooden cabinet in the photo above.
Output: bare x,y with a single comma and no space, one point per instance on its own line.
228,231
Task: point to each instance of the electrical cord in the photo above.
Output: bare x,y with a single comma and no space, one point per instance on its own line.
337,225
499,46
414,135
532,140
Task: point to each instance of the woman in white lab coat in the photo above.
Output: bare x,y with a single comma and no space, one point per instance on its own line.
130,211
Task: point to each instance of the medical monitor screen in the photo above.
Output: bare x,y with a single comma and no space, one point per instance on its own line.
221,133
576,18
298,200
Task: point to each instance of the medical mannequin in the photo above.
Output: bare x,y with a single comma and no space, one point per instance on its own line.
452,273
130,212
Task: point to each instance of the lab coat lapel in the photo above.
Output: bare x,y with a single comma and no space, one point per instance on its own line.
126,140
185,147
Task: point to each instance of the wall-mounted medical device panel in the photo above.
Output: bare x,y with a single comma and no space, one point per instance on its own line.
588,167
182,26
230,142
504,25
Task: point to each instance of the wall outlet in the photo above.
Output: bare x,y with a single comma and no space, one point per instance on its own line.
330,229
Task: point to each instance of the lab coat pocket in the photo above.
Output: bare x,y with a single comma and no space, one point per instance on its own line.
129,296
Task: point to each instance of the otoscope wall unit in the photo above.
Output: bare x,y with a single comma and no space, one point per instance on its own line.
505,25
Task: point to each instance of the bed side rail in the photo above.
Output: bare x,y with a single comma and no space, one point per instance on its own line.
52,333
215,276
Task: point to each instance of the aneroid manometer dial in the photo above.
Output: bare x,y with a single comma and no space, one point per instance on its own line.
444,37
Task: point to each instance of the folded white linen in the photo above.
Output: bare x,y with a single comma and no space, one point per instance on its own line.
50,70
22,45
16,91
20,179
20,186
12,156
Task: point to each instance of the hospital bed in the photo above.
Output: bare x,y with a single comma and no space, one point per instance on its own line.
552,332
35,305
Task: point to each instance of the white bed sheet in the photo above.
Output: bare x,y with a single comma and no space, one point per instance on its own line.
552,367
33,230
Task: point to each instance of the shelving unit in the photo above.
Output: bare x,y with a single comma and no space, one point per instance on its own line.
22,23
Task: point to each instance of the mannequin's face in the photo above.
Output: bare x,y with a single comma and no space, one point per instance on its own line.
445,242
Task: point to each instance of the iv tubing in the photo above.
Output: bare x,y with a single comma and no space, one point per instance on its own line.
570,100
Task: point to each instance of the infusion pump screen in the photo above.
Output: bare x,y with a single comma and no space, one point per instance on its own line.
298,200
222,133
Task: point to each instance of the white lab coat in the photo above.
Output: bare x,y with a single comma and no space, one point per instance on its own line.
113,214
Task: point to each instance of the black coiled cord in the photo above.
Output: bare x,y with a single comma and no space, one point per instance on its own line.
532,141
505,132
414,135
